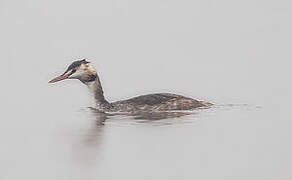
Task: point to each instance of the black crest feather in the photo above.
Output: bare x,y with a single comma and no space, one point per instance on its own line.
76,64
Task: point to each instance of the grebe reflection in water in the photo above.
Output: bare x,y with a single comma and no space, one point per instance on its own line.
160,102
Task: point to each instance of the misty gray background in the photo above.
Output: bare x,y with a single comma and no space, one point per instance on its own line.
226,52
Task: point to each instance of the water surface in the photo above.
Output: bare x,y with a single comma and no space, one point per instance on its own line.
234,54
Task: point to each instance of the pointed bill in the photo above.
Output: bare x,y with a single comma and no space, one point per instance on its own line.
60,78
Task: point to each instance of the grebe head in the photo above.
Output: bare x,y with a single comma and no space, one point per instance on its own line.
81,70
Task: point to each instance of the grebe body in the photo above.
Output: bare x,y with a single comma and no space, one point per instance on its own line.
85,72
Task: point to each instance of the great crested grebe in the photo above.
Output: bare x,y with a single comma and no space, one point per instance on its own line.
85,72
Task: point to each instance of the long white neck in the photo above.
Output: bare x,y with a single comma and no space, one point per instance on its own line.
96,91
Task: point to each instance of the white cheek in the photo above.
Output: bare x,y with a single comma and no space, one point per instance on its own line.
77,74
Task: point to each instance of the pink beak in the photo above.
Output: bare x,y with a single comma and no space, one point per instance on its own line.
60,78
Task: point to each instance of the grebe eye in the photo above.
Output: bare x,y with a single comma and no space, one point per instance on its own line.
73,71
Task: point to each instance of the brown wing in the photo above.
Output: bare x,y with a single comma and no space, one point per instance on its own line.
150,99
159,102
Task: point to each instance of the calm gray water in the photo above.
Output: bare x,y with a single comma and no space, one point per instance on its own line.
234,54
